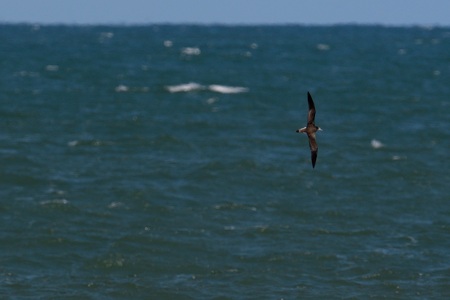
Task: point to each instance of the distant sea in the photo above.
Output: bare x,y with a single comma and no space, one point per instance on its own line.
162,162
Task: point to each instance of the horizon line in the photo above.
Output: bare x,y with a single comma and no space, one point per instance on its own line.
226,24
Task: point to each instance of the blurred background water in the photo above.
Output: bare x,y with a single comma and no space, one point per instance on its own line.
161,162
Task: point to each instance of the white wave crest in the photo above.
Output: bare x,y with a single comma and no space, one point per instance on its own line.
121,88
52,68
193,86
223,89
191,51
323,47
376,144
168,43
185,87
55,202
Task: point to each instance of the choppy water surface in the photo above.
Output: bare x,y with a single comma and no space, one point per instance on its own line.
161,162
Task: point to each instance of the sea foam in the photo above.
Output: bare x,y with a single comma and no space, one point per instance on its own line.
191,51
223,89
186,87
376,144
192,86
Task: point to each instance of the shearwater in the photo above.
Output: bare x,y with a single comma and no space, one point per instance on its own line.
311,130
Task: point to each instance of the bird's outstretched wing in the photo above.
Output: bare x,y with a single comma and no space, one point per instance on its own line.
314,148
312,110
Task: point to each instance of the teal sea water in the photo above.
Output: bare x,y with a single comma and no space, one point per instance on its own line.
162,162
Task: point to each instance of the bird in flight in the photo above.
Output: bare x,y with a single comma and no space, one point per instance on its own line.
311,130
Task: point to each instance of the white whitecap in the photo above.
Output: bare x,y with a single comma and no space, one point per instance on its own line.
26,74
168,43
56,201
121,88
52,68
398,157
35,27
376,144
115,204
73,143
191,51
227,89
106,35
186,87
211,100
323,47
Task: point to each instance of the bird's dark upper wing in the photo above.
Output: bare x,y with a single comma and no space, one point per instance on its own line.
312,110
314,148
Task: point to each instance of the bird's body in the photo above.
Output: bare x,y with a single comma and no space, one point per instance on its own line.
311,130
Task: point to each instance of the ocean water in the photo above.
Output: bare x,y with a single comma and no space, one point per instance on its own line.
162,162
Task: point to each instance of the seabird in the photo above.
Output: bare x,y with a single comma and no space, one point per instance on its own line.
311,130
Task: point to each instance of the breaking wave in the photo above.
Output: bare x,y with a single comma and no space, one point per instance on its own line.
192,86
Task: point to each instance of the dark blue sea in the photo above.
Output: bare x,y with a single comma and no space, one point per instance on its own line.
162,162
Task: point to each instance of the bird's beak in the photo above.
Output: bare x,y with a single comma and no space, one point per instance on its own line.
298,130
